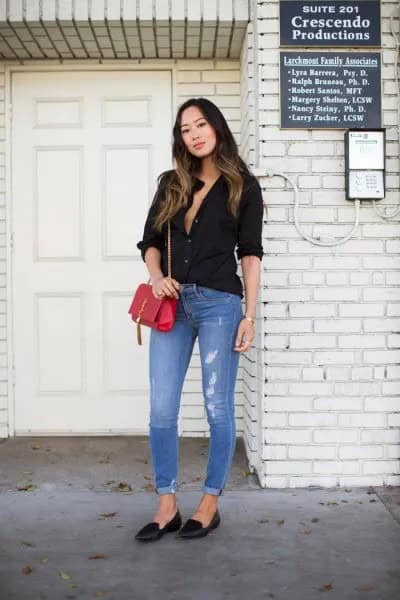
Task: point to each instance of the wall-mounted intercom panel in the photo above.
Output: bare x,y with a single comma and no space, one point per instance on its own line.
365,164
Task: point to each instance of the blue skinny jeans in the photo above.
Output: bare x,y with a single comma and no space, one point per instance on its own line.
214,317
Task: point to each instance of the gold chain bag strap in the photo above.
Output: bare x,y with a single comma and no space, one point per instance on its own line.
169,252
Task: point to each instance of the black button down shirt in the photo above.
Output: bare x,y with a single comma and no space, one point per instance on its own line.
206,255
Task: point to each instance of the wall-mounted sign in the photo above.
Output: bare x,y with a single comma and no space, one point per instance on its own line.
330,23
330,90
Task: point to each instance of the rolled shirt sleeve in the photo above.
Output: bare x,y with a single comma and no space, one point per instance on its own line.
151,236
250,222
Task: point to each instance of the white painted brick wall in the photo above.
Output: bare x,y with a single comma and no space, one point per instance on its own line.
332,400
3,268
252,384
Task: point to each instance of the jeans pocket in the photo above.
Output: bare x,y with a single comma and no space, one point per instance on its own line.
206,293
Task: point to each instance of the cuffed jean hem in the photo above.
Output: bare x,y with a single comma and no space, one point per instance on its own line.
162,491
165,490
213,491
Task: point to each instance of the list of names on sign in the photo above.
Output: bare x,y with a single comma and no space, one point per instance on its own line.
331,91
330,23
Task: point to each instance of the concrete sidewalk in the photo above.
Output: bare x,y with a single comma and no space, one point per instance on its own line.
73,535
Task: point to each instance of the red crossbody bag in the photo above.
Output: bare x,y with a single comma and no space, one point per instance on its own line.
145,309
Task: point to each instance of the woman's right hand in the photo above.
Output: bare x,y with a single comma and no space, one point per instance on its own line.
165,286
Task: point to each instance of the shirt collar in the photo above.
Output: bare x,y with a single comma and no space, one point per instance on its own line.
198,183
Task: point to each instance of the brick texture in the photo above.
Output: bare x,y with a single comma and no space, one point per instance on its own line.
331,400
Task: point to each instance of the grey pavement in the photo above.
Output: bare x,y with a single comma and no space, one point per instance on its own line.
70,507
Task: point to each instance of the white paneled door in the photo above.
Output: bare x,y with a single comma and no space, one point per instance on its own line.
87,148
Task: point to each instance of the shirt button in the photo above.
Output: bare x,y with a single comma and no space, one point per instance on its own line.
189,240
186,260
196,220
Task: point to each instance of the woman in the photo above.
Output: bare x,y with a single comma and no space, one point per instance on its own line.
213,203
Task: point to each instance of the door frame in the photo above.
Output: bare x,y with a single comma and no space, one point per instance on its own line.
44,66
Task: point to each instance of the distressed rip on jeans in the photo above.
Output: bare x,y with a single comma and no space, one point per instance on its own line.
214,324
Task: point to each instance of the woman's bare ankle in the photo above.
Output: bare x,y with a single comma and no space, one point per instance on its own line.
167,502
208,500
166,509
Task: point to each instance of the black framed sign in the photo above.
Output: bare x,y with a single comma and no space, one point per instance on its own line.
339,90
330,23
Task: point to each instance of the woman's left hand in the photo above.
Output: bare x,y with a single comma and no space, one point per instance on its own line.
244,336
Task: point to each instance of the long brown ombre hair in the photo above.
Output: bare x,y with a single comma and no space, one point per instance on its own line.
176,184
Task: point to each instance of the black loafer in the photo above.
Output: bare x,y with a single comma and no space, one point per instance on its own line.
194,528
152,531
